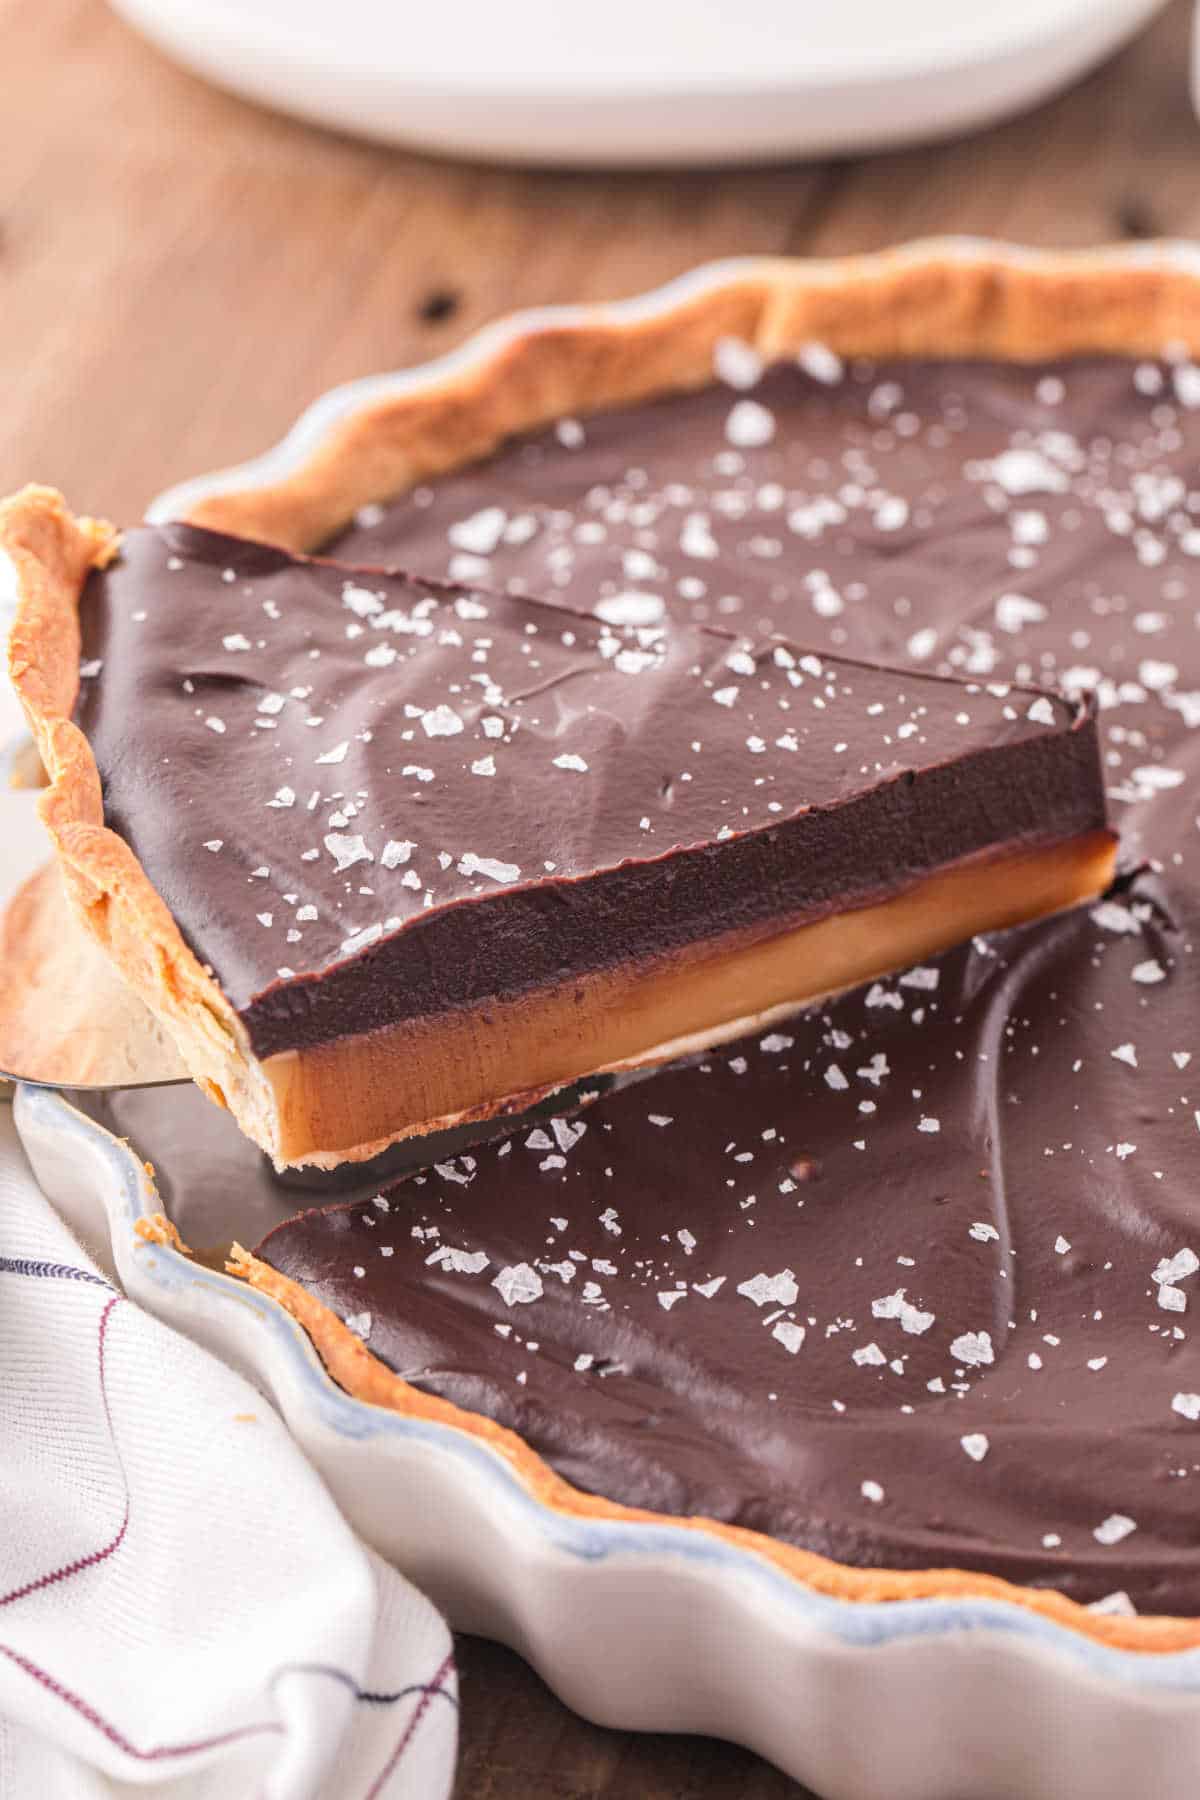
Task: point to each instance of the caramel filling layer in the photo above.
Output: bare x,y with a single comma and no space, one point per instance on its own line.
348,1098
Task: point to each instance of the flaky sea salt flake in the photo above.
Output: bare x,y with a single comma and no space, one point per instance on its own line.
764,1289
1185,1262
1114,917
822,363
470,864
441,721
737,363
518,1284
347,850
481,532
1116,1605
974,1349
897,1306
1026,472
923,643
749,425
1015,611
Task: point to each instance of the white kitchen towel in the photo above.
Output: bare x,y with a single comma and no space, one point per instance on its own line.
183,1610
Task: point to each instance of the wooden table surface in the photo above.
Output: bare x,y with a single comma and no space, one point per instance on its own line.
180,273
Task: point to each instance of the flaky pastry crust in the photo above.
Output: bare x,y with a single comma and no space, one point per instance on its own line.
53,553
940,298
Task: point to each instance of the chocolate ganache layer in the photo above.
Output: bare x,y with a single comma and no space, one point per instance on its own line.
368,798
913,1280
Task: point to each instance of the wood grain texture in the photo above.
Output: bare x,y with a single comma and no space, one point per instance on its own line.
519,1744
180,274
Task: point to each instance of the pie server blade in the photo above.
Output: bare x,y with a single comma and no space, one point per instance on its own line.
91,1087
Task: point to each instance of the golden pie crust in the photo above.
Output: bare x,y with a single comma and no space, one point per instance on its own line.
933,299
939,298
53,553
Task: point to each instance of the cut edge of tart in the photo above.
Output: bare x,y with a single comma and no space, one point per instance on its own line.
350,1092
362,1375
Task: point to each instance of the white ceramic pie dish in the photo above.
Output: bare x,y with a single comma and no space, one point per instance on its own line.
651,1626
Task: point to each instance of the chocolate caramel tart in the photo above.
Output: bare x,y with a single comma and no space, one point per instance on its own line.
1046,533
428,851
970,1190
906,1285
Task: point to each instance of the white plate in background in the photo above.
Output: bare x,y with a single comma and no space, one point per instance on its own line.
627,82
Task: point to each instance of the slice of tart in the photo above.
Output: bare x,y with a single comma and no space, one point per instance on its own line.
388,854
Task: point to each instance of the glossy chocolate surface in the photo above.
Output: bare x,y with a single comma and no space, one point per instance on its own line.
367,798
914,1281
